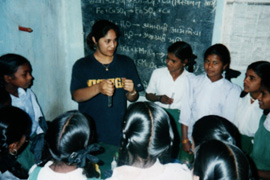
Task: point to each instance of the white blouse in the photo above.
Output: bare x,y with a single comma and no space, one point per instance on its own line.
162,83
248,115
209,98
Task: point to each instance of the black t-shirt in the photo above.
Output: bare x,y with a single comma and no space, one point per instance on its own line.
87,72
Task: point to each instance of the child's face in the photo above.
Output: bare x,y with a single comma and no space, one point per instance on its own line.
22,77
174,64
214,67
264,98
252,82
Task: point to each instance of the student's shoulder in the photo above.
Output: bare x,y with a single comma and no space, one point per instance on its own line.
232,86
178,170
160,70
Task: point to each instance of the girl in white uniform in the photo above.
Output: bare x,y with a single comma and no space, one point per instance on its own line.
168,85
248,112
210,93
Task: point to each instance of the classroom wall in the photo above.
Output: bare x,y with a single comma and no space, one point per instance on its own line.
54,45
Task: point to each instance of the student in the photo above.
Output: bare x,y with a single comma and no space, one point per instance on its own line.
248,111
16,77
215,127
15,128
261,147
211,93
167,84
68,141
146,144
103,82
5,99
218,160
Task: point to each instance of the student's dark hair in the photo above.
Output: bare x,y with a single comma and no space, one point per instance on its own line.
14,123
147,134
9,64
99,30
266,80
217,160
68,141
224,55
5,98
215,127
183,50
257,68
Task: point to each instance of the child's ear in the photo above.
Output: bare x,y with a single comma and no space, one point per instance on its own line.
94,39
225,66
7,78
185,62
13,148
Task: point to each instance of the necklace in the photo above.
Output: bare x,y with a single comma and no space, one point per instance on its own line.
106,66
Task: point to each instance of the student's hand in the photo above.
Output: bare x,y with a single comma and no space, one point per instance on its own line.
106,87
128,85
166,100
187,147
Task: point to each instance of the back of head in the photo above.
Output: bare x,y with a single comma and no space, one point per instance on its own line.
14,123
147,134
217,160
9,64
215,127
183,50
66,134
68,141
99,30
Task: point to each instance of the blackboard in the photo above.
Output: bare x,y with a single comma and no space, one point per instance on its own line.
148,27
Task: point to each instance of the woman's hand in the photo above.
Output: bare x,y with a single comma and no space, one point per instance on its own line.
106,87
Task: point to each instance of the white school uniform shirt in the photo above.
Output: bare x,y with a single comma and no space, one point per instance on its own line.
209,98
46,173
247,116
162,83
172,171
27,101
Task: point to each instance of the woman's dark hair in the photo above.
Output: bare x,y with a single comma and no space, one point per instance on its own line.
215,127
9,64
217,160
257,68
147,135
68,139
14,123
183,50
99,30
224,55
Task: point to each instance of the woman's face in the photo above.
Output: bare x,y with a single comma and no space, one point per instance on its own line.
174,64
252,82
107,45
214,67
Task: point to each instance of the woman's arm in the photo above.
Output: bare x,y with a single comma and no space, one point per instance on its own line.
106,87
